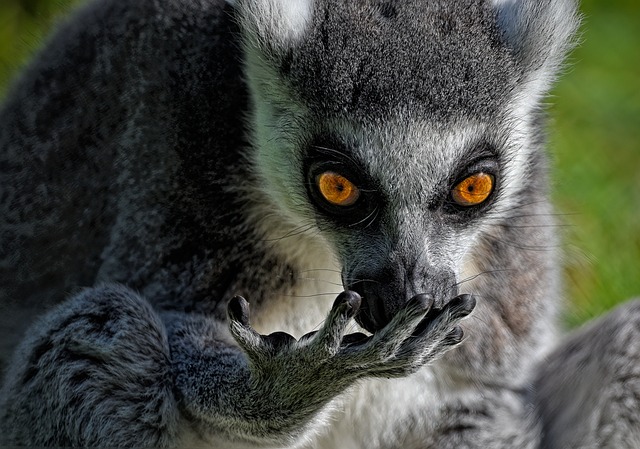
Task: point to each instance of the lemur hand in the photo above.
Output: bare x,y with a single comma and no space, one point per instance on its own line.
322,362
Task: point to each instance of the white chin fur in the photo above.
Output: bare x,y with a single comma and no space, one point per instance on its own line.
281,21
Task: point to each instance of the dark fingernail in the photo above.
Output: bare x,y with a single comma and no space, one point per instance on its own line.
463,305
279,339
351,298
238,310
422,301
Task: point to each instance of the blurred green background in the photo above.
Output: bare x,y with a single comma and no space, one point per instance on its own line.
594,139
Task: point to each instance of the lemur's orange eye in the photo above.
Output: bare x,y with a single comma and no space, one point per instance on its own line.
336,189
473,190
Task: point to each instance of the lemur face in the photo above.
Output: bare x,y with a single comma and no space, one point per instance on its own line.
403,203
398,129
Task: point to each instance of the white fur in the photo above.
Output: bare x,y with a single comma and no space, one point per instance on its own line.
540,33
365,411
318,281
281,21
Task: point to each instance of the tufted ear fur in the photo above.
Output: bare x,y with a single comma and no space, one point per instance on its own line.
539,33
273,25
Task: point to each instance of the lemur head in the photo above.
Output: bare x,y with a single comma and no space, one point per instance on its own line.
398,127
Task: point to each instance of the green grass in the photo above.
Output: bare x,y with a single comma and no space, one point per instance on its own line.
594,138
23,26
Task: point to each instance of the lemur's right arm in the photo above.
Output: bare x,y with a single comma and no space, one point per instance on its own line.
101,370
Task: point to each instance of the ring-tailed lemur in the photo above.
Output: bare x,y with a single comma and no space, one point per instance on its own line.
159,158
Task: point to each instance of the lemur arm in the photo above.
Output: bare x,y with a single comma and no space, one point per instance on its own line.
100,370
95,372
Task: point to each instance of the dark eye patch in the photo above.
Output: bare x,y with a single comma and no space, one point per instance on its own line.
482,159
329,156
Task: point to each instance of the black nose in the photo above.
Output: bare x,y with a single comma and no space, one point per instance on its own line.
372,314
386,293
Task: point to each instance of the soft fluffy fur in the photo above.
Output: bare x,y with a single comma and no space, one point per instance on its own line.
155,164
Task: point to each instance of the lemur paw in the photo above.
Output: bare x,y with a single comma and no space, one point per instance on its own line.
417,335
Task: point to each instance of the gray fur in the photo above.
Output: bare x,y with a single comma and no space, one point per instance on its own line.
155,163
588,389
90,369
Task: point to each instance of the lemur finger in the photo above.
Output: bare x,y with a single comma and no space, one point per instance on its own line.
461,306
245,335
238,310
428,338
402,326
453,338
411,356
458,308
438,331
344,309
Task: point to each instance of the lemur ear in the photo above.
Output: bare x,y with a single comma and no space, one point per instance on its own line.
539,33
273,24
